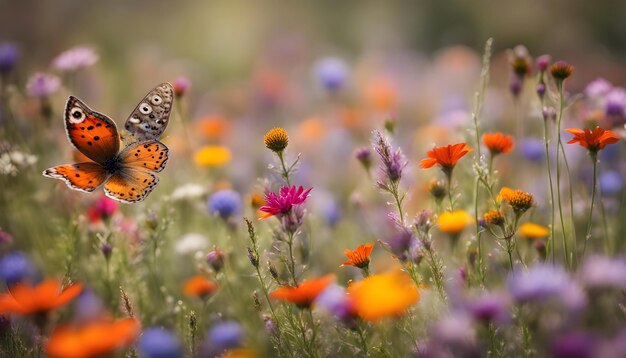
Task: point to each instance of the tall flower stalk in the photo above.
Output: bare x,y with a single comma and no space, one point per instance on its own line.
561,70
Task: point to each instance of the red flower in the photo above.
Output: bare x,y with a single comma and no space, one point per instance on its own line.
360,257
498,143
199,286
284,201
304,295
592,140
102,209
446,156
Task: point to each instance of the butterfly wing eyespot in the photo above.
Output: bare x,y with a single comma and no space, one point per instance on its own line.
149,156
150,118
92,133
85,177
77,115
130,185
145,108
156,100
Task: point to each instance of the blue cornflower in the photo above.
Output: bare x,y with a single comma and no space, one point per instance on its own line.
225,335
225,203
159,343
332,73
16,267
8,57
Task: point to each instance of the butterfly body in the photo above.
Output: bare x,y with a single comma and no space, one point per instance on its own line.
128,175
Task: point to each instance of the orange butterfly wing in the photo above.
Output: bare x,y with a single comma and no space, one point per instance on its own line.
80,176
130,185
149,156
92,133
140,161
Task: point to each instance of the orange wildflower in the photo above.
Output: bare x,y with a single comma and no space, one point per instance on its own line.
384,295
498,143
360,257
93,339
446,157
213,127
519,200
199,286
304,295
592,140
25,299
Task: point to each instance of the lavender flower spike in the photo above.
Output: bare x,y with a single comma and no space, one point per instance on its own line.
393,162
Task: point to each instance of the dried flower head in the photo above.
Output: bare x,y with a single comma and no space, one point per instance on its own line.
437,189
561,70
276,139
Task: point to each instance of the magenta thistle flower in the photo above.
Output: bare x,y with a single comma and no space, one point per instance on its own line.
281,203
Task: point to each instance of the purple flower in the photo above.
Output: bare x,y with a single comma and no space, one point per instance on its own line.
573,345
8,57
281,203
16,267
490,308
75,59
5,238
332,212
332,73
615,102
542,282
532,149
225,203
215,259
543,62
364,156
335,301
42,85
600,271
159,343
611,182
89,306
225,335
392,162
598,88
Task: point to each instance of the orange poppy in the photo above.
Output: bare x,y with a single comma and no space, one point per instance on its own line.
199,286
304,295
26,299
360,257
446,157
593,140
93,339
498,143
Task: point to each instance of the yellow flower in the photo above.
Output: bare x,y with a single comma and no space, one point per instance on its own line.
212,155
454,222
385,295
533,231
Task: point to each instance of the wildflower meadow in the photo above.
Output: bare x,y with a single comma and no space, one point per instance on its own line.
269,192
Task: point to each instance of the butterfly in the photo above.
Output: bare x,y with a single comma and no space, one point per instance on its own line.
128,175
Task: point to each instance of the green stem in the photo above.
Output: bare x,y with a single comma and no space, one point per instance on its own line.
292,261
594,158
558,173
394,187
285,173
449,178
546,142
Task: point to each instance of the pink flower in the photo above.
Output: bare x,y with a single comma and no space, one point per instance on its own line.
284,201
102,209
